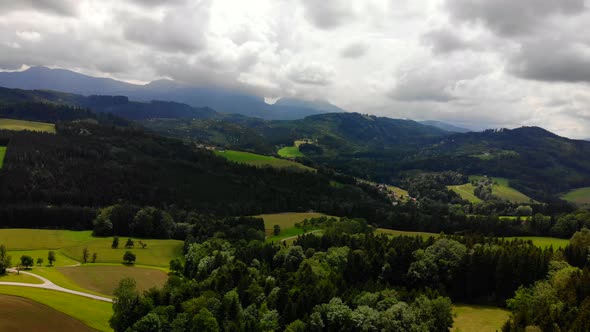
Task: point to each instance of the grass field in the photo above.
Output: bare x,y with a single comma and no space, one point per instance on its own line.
2,155
22,278
539,241
290,152
424,235
93,313
10,124
478,318
36,243
286,220
104,279
578,196
20,314
502,189
261,161
399,191
466,192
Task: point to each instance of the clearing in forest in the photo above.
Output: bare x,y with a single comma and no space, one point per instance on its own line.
478,318
578,196
10,124
258,160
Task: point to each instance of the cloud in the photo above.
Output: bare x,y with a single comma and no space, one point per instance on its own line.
310,73
354,50
180,30
59,7
510,17
328,14
445,40
552,61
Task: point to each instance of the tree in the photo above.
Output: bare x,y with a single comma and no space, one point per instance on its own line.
143,245
176,266
94,257
276,230
39,261
115,244
129,257
130,244
51,257
125,305
5,259
26,261
205,321
85,254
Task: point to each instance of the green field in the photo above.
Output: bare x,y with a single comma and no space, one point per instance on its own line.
2,155
501,188
10,124
478,318
91,312
260,160
578,196
36,243
286,220
104,279
399,192
466,192
21,314
539,241
393,232
290,152
20,277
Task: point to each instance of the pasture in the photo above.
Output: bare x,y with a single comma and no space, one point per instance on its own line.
22,278
2,155
10,124
399,192
578,196
286,220
103,279
478,318
20,314
68,246
93,313
258,160
393,232
500,188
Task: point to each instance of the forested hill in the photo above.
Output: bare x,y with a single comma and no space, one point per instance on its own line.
539,162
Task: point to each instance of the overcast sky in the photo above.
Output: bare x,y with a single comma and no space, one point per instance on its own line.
478,63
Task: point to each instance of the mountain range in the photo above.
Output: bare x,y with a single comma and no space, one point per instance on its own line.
222,100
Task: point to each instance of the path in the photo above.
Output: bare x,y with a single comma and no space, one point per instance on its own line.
47,284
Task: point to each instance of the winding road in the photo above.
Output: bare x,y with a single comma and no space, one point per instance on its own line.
47,284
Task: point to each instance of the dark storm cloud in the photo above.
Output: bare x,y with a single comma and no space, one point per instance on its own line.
328,14
59,7
552,61
512,17
354,50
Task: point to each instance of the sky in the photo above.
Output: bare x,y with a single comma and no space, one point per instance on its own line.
475,63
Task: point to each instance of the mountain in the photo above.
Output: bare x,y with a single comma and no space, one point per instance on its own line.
222,100
445,126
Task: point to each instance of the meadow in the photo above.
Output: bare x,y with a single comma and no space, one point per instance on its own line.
2,155
539,241
258,160
10,124
286,221
16,313
103,279
478,318
501,188
578,196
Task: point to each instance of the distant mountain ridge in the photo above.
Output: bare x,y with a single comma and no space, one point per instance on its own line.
221,100
445,126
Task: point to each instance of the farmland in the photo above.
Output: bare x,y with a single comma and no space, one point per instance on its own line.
478,318
103,279
258,160
10,124
69,245
16,313
286,220
93,313
578,196
466,192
